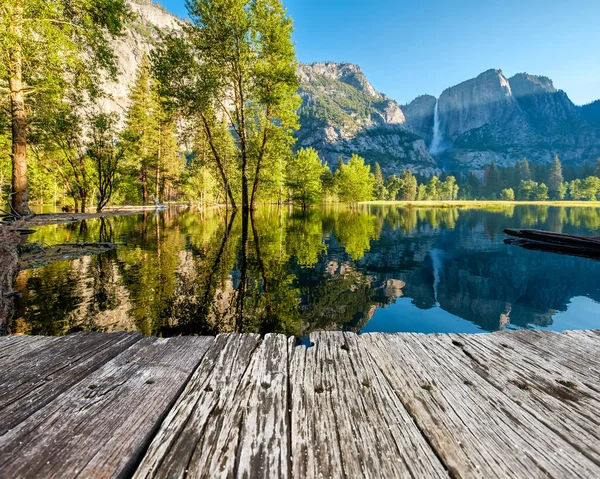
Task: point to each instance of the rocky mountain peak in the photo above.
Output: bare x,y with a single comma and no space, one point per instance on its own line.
344,72
149,18
524,84
484,100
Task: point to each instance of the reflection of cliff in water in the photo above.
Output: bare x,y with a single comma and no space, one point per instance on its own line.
205,273
490,285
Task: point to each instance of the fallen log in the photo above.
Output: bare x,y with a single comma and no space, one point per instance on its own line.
584,246
32,255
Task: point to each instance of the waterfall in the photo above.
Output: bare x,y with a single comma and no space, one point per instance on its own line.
436,143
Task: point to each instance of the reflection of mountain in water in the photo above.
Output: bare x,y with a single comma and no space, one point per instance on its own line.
183,273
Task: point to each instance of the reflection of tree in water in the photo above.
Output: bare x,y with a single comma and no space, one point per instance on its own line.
50,295
285,271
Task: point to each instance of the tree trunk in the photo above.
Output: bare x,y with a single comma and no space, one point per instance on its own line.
83,201
158,164
144,186
245,192
19,124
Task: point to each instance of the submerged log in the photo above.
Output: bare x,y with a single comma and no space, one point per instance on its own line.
584,246
32,255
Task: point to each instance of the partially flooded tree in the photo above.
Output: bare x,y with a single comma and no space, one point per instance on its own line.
105,155
47,47
237,61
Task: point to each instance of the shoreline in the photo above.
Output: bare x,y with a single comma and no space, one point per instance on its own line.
44,219
479,203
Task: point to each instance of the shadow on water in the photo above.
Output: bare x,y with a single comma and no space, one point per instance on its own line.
378,268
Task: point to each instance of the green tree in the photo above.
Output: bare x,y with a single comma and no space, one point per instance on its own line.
448,190
47,48
408,186
507,194
303,177
597,169
393,185
555,181
493,183
105,155
526,170
432,192
381,192
142,127
328,183
354,181
237,57
590,188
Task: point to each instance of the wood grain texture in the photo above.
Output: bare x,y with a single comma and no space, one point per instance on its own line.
514,404
34,377
544,389
346,419
103,424
213,429
574,350
11,347
477,430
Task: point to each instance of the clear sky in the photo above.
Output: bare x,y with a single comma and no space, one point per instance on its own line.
408,48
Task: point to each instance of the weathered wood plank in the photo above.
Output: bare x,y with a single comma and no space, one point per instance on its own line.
212,426
347,420
12,347
476,430
545,390
101,427
566,349
36,376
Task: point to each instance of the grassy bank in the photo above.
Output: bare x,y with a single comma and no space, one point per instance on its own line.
480,204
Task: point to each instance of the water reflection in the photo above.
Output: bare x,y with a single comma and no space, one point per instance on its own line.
375,268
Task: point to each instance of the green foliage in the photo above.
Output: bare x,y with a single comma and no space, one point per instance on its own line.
507,194
105,155
436,190
237,57
556,188
587,189
532,191
51,50
303,177
354,181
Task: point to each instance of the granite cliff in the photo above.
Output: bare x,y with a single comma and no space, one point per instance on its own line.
492,117
342,114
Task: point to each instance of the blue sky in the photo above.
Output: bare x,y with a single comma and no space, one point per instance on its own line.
408,48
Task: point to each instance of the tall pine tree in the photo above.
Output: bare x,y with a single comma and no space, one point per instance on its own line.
556,189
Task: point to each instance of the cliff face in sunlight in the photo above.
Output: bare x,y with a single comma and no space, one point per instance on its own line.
342,114
138,38
492,117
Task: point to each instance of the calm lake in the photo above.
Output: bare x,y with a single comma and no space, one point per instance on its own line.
378,268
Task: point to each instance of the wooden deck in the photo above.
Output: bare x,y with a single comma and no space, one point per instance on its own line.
515,404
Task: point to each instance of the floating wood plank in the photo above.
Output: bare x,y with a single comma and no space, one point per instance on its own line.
549,393
477,430
32,380
102,425
347,420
